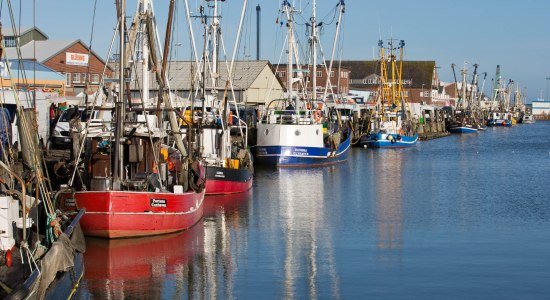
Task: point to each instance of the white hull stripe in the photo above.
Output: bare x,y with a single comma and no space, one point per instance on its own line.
141,213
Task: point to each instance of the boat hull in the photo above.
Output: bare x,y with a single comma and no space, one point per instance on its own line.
380,140
499,123
481,127
462,129
220,180
122,214
296,156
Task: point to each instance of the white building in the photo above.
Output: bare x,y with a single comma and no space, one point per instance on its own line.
541,107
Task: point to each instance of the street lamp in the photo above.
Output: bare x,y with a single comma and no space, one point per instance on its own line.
547,88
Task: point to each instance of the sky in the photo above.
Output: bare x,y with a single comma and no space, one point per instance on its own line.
513,34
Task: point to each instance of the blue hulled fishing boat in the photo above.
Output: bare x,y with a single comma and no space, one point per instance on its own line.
293,145
500,115
463,129
389,140
391,125
300,130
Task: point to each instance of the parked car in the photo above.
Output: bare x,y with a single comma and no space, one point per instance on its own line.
61,135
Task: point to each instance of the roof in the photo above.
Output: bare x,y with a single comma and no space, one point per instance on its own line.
44,50
8,31
179,72
421,72
31,67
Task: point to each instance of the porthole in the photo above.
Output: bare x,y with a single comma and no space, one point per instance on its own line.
266,132
297,132
317,132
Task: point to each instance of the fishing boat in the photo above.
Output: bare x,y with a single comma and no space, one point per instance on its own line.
500,119
299,131
132,181
40,246
528,119
391,125
500,114
468,116
224,135
460,128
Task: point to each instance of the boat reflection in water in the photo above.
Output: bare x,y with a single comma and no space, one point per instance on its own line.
389,203
225,239
309,263
198,262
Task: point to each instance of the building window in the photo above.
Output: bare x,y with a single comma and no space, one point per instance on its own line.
9,42
364,81
319,74
427,94
406,93
68,77
95,78
76,78
282,74
84,77
331,74
344,74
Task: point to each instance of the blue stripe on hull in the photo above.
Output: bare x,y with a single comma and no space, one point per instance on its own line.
462,130
288,156
376,140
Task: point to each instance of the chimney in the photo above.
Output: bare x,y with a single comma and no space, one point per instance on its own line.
258,21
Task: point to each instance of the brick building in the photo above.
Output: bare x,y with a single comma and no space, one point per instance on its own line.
340,82
419,79
73,59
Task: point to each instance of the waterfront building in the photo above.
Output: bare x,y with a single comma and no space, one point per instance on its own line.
71,58
540,108
419,79
254,81
339,78
30,75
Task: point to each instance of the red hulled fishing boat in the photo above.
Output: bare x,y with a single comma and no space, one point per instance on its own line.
129,179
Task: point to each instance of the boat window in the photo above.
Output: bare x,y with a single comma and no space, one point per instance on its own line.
297,132
266,132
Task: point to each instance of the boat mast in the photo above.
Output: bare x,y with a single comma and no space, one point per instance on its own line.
118,172
473,89
289,14
215,32
342,9
144,55
464,104
314,49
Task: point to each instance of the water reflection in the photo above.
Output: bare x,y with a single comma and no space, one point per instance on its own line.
197,263
308,242
388,183
139,268
225,239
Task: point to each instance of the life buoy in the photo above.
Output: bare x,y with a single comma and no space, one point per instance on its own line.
317,116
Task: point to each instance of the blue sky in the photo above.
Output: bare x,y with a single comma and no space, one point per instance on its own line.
513,34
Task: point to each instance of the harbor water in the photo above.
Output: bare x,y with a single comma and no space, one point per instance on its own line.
466,216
